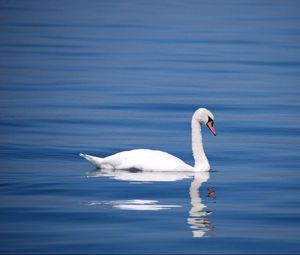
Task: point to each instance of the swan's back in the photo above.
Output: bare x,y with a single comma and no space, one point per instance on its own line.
146,160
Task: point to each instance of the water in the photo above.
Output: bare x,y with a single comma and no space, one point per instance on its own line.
105,76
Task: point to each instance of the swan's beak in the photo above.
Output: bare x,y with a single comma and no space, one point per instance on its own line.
210,125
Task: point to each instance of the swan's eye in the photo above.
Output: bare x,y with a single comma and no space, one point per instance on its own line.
210,125
210,120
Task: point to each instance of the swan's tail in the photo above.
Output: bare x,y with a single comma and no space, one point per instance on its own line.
96,161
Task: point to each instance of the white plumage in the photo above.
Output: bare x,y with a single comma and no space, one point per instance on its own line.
141,159
154,160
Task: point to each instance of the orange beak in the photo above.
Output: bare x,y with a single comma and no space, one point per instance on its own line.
210,125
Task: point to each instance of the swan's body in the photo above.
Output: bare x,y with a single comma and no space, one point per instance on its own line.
141,159
153,160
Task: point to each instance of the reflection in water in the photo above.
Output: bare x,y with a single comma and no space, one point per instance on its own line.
141,176
211,193
135,204
199,223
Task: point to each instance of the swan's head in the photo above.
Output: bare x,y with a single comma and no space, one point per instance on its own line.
205,117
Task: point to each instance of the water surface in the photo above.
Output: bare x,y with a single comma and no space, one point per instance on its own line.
105,76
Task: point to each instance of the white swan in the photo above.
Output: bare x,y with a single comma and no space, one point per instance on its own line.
154,160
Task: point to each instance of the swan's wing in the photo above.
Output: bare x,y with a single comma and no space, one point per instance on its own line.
147,160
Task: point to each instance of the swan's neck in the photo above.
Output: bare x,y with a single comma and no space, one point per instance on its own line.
201,162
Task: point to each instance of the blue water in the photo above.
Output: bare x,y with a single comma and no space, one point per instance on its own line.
106,76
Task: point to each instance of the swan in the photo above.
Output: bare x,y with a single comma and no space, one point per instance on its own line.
154,160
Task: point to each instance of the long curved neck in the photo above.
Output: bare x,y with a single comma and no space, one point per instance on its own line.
201,162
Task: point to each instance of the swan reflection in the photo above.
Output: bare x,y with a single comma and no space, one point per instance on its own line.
141,176
198,221
135,204
198,214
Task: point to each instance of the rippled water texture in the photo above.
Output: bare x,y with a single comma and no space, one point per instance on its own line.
100,77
